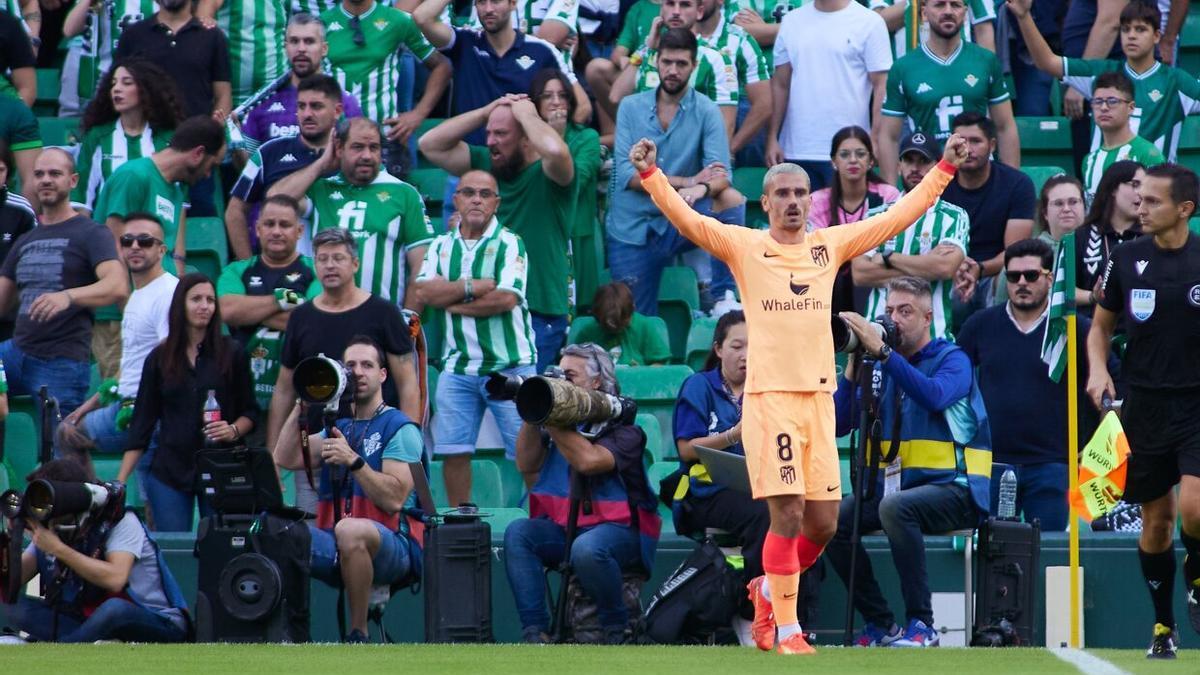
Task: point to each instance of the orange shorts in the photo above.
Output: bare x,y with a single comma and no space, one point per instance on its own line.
791,445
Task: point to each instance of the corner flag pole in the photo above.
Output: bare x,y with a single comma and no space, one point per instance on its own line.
1073,469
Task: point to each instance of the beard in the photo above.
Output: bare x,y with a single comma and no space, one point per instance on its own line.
173,5
936,29
506,169
1032,301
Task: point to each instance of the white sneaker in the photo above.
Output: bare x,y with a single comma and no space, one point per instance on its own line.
12,640
725,305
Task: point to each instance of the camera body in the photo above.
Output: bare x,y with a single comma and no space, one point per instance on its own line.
845,340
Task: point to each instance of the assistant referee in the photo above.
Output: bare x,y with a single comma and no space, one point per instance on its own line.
1154,283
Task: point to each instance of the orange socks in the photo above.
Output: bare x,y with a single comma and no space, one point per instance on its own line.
782,566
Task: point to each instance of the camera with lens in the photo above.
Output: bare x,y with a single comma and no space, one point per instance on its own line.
845,340
322,381
552,400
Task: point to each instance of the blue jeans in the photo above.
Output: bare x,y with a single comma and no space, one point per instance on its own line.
820,172
390,564
754,153
904,516
114,619
599,556
640,266
65,379
464,398
1033,86
1041,493
171,508
100,425
549,336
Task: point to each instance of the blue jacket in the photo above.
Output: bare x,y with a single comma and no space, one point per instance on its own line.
945,436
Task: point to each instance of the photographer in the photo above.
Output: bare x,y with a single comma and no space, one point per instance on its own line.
602,476
115,584
371,544
929,406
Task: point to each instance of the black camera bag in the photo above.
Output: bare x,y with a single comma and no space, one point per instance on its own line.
699,599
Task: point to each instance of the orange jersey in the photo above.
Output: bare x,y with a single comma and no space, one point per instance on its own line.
787,289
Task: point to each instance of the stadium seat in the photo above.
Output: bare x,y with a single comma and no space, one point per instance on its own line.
1188,152
1189,44
655,389
748,181
62,131
431,183
107,468
433,322
20,444
1046,141
49,85
487,490
654,439
581,323
1040,174
678,298
699,343
207,245
3,478
1194,224
656,473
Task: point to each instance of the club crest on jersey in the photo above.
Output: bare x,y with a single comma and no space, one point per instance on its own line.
292,278
820,256
381,24
1141,303
525,61
1194,295
383,196
1155,95
798,289
971,80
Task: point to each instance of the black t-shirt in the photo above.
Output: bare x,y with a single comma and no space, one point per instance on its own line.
15,49
49,259
1157,294
16,218
312,331
1007,195
195,57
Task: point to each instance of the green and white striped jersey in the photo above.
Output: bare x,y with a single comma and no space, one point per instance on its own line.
314,7
1097,161
943,223
387,218
486,344
104,149
906,39
370,70
713,76
254,29
737,47
100,39
771,11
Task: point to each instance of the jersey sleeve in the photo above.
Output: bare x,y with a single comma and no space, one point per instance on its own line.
414,39
83,167
894,104
752,65
628,38
997,87
429,263
957,231
515,269
249,185
418,230
230,282
1189,90
721,240
1112,291
853,239
21,128
405,445
1080,73
981,11
564,11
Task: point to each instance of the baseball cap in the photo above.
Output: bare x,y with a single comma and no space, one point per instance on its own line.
919,142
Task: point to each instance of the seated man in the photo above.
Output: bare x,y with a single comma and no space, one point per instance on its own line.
371,545
617,536
113,582
628,336
938,482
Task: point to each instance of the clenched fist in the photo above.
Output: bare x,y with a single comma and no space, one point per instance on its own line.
956,150
642,155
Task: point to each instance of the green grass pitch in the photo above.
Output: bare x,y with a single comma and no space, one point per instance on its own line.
560,660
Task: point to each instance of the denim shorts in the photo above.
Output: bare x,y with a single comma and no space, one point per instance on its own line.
390,564
461,400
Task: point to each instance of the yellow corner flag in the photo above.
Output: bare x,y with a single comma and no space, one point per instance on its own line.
1102,470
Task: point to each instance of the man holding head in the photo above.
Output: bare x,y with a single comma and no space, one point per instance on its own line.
385,215
257,295
786,277
101,422
54,276
535,173
318,103
477,274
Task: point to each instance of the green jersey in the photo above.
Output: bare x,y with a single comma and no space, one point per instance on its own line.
313,7
369,67
771,11
541,212
254,277
712,76
1162,97
738,49
104,28
907,39
485,344
636,25
104,149
138,186
931,91
18,127
255,31
1097,161
387,218
943,224
638,345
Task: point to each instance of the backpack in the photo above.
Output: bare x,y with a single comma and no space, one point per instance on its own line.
697,601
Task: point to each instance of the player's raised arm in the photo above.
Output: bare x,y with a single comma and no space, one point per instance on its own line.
855,239
708,233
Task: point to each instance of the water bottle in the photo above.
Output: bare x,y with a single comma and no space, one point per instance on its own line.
1007,509
212,413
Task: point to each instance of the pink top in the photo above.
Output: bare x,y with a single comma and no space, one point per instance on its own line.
820,215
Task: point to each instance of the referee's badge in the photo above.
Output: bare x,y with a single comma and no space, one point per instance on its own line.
1141,303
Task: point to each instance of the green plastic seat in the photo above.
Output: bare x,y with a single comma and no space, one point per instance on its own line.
678,299
3,478
1189,43
63,131
655,389
487,490
748,181
1045,141
654,439
656,473
207,235
49,85
107,467
1040,174
699,342
1194,224
431,183
1188,152
20,445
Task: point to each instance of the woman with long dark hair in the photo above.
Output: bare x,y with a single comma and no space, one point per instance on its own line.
134,113
192,361
1112,219
856,188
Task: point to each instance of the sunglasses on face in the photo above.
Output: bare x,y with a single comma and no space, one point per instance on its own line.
1029,276
142,240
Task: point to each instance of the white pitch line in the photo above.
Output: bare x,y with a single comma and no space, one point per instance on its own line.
1088,664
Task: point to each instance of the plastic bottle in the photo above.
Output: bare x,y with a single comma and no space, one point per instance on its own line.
212,413
1007,509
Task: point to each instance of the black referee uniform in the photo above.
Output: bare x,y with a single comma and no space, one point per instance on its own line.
1156,292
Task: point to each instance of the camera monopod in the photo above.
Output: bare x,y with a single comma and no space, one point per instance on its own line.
574,503
50,420
865,467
